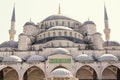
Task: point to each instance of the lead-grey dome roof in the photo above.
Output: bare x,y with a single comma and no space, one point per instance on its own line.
12,58
111,43
29,23
35,58
84,58
59,16
59,51
88,22
12,44
61,72
107,57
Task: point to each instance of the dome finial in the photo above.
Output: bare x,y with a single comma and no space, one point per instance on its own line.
59,9
30,19
88,18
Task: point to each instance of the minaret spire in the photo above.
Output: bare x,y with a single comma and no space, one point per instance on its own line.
13,14
106,30
59,10
105,13
12,30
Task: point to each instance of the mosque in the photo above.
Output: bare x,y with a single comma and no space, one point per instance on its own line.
60,48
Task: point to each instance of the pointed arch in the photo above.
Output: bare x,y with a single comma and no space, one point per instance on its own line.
89,73
111,72
34,73
8,73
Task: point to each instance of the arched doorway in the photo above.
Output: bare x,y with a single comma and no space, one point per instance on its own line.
86,73
59,67
8,73
61,74
34,73
111,72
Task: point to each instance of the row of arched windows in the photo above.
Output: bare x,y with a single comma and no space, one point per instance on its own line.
46,25
60,33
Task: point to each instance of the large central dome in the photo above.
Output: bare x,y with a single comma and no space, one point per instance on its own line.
54,17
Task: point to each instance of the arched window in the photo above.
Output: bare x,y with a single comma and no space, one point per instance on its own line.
53,24
70,33
48,34
68,24
79,35
41,26
56,23
50,24
75,34
59,33
65,33
53,33
46,26
74,25
63,23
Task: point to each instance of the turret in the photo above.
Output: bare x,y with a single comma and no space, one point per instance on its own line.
88,28
12,30
29,28
97,41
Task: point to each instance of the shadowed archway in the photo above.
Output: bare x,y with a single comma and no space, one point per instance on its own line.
86,73
111,72
34,73
8,73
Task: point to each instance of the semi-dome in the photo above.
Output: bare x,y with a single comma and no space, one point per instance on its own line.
61,72
88,22
35,58
29,23
54,17
12,58
111,43
12,44
59,28
84,58
107,57
97,33
59,51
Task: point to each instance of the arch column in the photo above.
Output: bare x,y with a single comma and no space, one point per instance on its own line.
118,74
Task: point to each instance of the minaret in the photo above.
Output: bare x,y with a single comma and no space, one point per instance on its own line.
59,10
106,30
12,31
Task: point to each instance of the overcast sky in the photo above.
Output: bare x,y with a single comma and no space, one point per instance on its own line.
80,10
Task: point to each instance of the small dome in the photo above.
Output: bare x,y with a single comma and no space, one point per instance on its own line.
111,43
84,58
60,51
59,28
35,58
88,22
61,72
12,44
107,57
12,58
29,23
